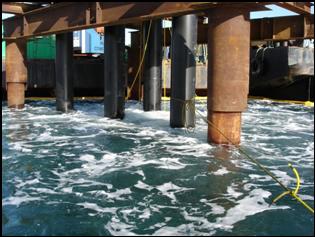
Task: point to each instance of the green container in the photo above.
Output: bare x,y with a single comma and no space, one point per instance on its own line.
3,49
42,47
3,45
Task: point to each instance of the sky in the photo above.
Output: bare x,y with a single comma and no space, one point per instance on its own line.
275,11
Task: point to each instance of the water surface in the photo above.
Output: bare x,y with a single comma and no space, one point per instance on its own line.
83,174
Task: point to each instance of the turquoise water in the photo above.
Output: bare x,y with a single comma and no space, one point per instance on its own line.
83,174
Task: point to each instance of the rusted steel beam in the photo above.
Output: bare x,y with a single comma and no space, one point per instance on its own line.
228,72
69,16
282,28
309,26
16,72
303,8
19,8
267,29
13,9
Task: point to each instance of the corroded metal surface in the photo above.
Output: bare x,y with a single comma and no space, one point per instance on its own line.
16,73
229,125
15,63
228,72
228,65
16,94
84,15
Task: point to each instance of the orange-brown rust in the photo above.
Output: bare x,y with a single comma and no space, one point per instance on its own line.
16,72
229,124
15,91
228,72
228,66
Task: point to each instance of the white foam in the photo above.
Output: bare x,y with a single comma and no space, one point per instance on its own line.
181,230
172,164
231,192
45,151
87,157
166,190
97,208
96,167
142,185
44,190
261,178
146,214
112,195
139,172
28,182
306,197
17,200
67,190
149,132
221,171
250,205
19,147
215,208
116,227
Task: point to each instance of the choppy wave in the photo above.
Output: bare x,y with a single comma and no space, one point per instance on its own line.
138,176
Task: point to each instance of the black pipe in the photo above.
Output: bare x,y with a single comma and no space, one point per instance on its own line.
115,73
153,67
64,72
183,71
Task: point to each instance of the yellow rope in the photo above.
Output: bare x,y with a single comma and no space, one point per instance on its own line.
287,190
305,103
164,71
188,105
164,68
294,193
141,62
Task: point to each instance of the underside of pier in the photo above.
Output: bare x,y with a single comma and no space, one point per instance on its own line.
228,33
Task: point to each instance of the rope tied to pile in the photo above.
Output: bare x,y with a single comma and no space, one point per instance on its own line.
188,105
141,62
288,191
